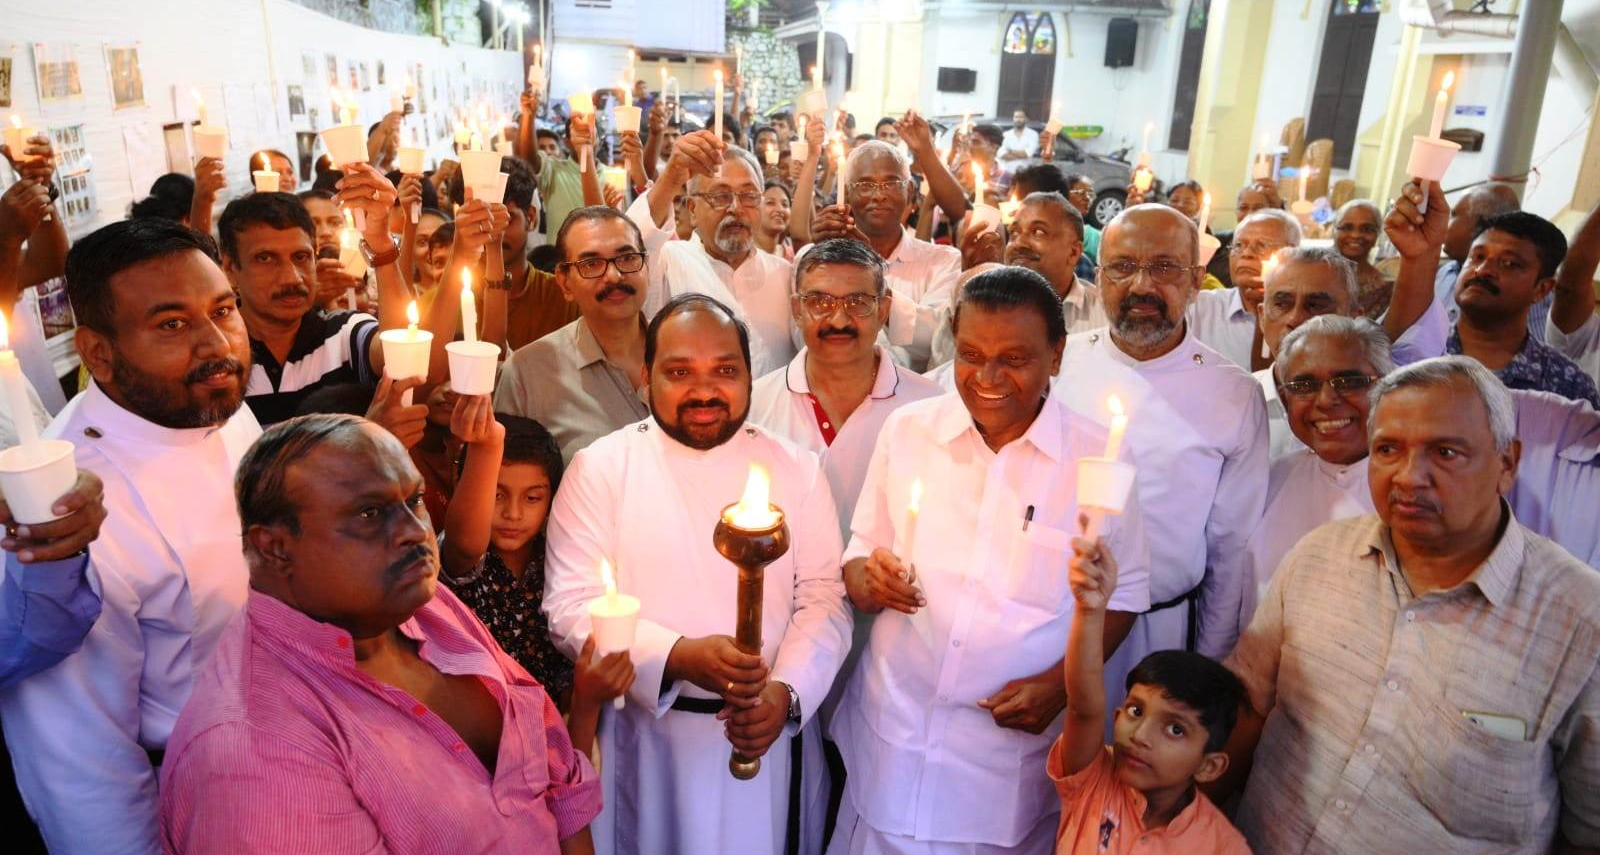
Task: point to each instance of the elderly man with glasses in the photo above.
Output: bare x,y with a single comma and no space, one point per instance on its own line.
723,186
582,381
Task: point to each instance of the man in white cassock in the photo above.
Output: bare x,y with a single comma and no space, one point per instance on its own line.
721,258
1196,423
946,723
163,425
647,499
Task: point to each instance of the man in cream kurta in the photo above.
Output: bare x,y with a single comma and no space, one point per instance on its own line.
85,736
721,258
648,503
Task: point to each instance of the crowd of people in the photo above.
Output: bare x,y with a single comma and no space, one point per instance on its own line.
297,604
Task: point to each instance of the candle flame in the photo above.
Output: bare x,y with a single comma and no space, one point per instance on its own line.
412,317
915,505
1114,404
1268,265
718,74
195,94
1449,81
5,333
349,219
754,510
262,159
16,121
608,577
466,281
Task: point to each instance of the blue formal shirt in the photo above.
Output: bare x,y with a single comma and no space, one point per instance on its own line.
46,609
1540,368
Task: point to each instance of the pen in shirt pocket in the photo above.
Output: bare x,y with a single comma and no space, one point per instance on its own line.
1027,517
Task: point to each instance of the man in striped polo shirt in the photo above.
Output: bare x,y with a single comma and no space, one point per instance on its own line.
269,255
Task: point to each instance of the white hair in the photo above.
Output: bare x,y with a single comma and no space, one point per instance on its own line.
872,149
1368,204
1344,267
1444,371
1291,226
734,152
1374,342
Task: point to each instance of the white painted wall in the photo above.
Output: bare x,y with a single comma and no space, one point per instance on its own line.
218,45
685,25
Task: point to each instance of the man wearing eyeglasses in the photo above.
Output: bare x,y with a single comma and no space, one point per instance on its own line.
922,275
581,381
1196,424
723,185
1225,320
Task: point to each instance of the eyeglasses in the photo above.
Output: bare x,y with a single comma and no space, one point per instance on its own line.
594,268
824,305
749,198
1344,385
868,188
1255,248
1081,192
1161,272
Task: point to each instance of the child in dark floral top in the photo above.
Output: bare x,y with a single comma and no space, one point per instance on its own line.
493,556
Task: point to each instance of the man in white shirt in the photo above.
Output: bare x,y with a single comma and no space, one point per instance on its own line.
163,425
1225,320
1196,423
646,499
945,726
721,259
922,275
1020,142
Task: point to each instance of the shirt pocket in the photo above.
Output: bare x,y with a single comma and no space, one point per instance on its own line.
1476,784
1038,571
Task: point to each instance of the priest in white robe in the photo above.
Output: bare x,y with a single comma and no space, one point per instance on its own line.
164,426
721,259
946,724
647,499
1196,422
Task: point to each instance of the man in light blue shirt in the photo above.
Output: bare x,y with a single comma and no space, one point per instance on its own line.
46,603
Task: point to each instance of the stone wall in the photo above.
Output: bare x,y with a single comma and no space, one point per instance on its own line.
771,61
460,17
461,22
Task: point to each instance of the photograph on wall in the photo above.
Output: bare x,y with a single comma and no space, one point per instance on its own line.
421,82
55,310
366,76
127,80
333,69
5,81
308,65
175,139
353,76
57,73
74,175
381,78
297,102
305,144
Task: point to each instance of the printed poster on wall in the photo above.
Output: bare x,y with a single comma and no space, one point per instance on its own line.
74,175
57,74
5,81
127,80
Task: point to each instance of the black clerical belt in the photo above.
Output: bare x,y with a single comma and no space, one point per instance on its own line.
712,706
1191,598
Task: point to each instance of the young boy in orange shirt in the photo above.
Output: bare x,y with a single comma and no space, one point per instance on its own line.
1139,793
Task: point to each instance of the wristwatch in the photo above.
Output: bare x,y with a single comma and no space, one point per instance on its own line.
794,704
380,259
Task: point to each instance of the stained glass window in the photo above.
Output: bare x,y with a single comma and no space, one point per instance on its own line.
1044,35
1034,33
1017,34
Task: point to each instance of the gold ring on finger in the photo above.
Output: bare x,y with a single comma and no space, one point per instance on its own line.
730,686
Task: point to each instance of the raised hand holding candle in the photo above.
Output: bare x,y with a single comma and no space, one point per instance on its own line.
17,137
469,308
34,473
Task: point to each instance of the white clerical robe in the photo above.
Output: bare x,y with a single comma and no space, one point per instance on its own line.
170,569
757,290
1303,493
649,505
1198,427
927,765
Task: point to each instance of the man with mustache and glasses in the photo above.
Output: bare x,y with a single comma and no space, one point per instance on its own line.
723,187
1510,266
1423,679
269,255
921,275
583,381
163,423
645,499
1196,423
946,724
358,705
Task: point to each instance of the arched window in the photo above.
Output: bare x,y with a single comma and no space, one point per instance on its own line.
1044,35
1019,33
1034,33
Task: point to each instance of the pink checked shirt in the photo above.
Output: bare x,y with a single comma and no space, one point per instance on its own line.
286,747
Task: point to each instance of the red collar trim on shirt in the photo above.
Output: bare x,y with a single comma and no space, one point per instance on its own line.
824,424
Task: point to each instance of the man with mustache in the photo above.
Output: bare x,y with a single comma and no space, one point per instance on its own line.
269,257
1423,679
645,499
163,424
723,188
921,275
357,696
582,381
1196,424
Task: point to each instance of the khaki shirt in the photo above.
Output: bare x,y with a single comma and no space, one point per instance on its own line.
564,382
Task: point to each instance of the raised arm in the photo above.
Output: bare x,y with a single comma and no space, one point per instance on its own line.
657,124
471,511
805,189
583,135
942,185
210,176
410,194
46,256
1574,303
22,211
1092,573
1418,238
699,153
527,144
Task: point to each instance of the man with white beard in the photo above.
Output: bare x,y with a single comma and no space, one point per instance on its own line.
646,498
1196,424
721,259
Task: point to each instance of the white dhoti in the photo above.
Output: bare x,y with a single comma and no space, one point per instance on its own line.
853,836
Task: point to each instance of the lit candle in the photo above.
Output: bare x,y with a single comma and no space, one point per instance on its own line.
412,319
716,103
1205,211
1268,265
1144,147
266,180
754,511
816,77
977,184
771,153
411,87
1305,173
1440,101
738,59
838,160
17,138
15,389
913,509
1009,209
347,113
199,104
469,308
610,580
663,68
350,256
1119,427
612,618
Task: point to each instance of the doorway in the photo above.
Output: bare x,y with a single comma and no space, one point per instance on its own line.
1342,76
1027,66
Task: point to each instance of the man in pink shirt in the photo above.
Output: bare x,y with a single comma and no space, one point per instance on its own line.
356,706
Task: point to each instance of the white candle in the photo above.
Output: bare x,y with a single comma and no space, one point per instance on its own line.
771,153
1205,211
350,298
822,45
1119,427
913,509
347,113
1305,174
199,104
469,308
1145,146
1440,101
612,618
412,320
838,159
17,137
816,77
15,389
663,79
738,59
977,184
716,103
